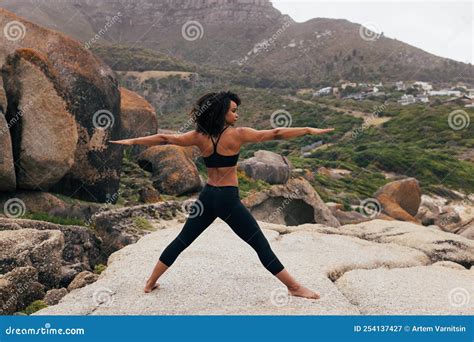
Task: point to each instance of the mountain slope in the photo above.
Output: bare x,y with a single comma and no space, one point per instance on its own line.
250,37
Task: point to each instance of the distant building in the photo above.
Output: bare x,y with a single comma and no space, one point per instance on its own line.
422,98
400,85
323,91
424,85
444,92
406,99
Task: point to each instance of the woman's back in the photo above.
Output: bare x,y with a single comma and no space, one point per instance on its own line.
220,155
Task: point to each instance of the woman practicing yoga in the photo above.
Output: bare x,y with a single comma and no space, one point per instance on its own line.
215,115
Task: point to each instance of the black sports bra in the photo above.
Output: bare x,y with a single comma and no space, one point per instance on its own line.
218,160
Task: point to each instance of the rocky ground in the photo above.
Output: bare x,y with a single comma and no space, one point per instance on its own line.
375,267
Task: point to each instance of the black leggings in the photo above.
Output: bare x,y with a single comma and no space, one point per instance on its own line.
223,202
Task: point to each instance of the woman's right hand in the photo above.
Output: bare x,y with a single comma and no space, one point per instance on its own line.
122,142
313,130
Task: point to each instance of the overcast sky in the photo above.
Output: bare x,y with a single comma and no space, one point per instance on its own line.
443,28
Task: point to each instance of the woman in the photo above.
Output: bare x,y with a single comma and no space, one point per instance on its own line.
215,115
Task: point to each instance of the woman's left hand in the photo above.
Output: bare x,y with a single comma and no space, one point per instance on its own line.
122,142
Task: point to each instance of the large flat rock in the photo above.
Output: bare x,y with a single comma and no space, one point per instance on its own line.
220,274
427,290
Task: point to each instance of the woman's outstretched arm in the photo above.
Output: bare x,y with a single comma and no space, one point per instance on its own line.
186,139
250,135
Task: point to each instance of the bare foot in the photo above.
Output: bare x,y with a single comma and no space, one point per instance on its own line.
149,287
301,291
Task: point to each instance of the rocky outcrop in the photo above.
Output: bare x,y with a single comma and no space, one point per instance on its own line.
385,291
118,228
52,77
138,118
7,168
400,199
173,171
82,248
436,211
82,279
293,203
18,288
268,166
3,98
45,138
53,296
381,267
433,242
29,247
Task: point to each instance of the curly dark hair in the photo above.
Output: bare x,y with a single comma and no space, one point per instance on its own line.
209,111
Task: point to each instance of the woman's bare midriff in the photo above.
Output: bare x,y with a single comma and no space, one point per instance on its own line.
222,176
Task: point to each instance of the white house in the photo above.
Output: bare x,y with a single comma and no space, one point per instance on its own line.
406,99
422,98
423,85
400,85
444,92
323,91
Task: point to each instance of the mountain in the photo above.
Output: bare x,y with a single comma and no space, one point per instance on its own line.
250,37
